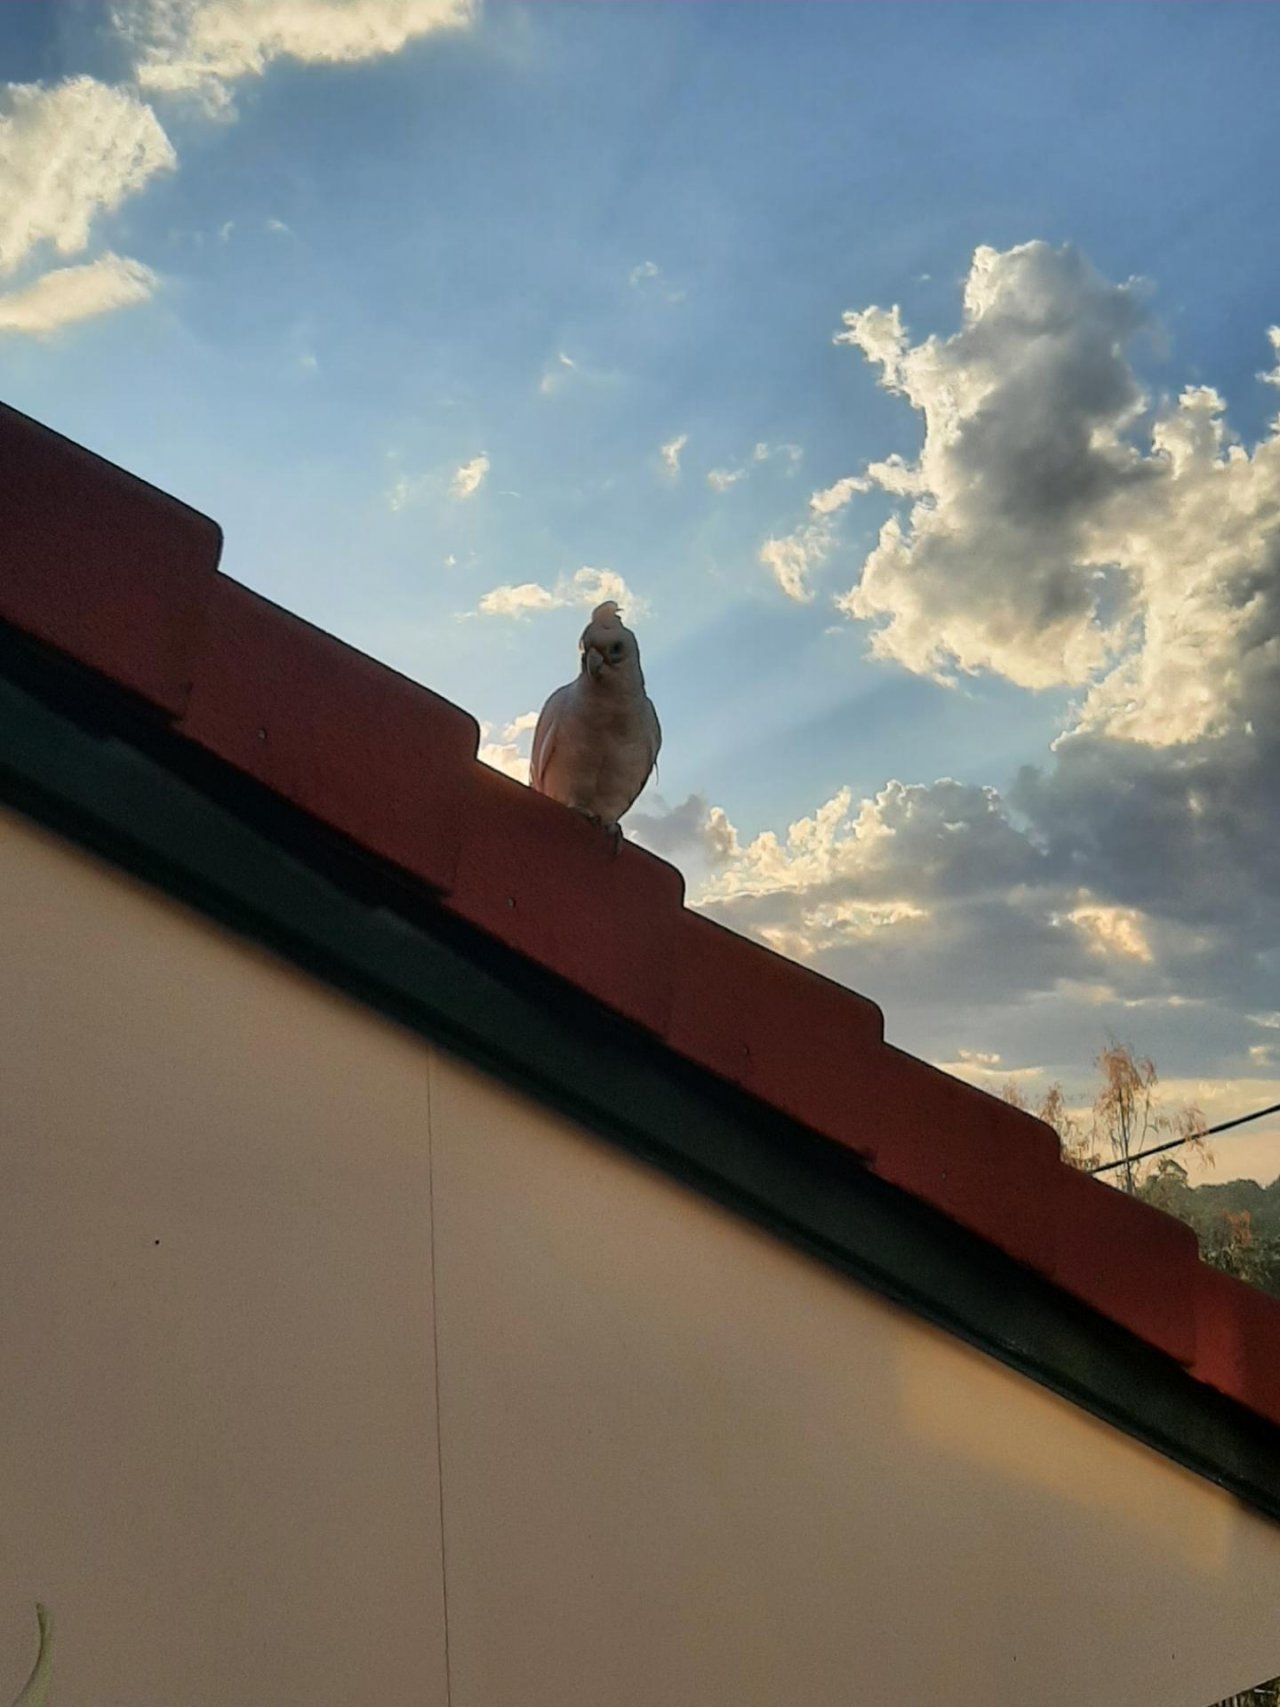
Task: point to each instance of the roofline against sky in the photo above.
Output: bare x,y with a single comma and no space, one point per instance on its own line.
308,797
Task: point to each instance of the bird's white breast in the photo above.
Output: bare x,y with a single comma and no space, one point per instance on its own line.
603,750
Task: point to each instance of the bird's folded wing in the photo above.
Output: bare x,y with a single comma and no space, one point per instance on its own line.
544,738
655,734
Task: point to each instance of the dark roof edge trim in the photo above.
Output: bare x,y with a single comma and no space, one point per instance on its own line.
87,761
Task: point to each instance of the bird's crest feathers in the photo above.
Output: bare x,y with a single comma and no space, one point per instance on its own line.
606,616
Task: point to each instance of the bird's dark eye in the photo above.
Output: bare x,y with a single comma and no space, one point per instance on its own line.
616,651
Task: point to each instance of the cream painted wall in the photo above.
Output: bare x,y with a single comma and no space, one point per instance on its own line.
684,1465
217,1414
681,1464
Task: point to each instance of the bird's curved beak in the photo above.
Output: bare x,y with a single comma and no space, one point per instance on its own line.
595,661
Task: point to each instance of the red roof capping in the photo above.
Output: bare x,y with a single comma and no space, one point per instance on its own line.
124,579
101,565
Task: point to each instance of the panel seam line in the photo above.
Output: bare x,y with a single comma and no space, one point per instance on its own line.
435,1371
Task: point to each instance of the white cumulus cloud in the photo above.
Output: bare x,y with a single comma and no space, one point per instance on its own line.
1057,527
693,825
69,153
1199,546
72,152
202,47
908,894
1111,930
1027,414
1053,538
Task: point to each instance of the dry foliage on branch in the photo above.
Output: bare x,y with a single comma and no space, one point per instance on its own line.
1124,1119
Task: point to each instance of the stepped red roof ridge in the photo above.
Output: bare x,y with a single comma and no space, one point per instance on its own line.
125,580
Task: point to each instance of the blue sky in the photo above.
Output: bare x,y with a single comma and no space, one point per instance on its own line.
411,295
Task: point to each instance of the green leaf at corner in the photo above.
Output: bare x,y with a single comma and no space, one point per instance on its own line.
36,1692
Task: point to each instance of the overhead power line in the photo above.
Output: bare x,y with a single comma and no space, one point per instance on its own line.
1176,1143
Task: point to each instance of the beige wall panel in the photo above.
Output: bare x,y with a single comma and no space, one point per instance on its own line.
218,1461
685,1467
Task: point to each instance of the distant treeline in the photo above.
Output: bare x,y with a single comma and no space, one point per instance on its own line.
1237,1221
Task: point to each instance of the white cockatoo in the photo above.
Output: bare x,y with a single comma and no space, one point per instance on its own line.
597,738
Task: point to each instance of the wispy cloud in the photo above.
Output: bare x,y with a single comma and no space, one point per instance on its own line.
510,752
787,453
406,490
468,479
586,587
792,559
555,375
465,481
648,276
566,373
986,1069
1272,375
670,453
721,479
519,600
67,294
